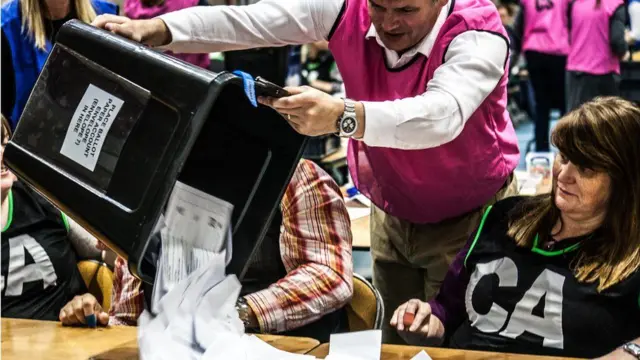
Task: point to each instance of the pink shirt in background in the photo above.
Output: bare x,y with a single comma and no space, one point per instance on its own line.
135,9
590,37
545,26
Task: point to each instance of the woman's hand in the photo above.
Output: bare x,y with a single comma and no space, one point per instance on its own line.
83,309
152,32
415,322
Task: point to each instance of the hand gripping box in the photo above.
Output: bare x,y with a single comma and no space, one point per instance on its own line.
111,125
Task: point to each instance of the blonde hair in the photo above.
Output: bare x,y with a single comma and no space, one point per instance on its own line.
599,136
33,18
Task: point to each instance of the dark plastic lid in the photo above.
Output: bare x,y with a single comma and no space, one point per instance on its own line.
111,125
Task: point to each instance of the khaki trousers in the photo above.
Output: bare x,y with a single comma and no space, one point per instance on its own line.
411,260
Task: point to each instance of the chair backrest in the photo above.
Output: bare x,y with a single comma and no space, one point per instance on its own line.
366,309
99,281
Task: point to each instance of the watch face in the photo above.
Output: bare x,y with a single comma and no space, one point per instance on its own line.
632,348
348,125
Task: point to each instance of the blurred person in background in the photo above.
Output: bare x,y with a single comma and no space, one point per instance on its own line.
148,9
598,43
633,35
30,28
542,27
319,69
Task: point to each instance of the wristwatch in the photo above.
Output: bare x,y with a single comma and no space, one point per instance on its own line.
633,349
243,312
348,123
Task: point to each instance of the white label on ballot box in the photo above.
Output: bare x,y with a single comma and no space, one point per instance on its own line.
89,126
195,230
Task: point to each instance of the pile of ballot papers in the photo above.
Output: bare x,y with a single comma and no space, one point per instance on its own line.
197,319
192,314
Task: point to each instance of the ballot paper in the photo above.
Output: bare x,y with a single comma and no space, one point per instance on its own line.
196,227
361,345
422,355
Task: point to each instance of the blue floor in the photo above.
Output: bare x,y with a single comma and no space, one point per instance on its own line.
362,262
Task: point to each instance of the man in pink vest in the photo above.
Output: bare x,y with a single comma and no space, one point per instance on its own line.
431,141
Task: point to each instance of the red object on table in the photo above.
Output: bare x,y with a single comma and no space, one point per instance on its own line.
407,319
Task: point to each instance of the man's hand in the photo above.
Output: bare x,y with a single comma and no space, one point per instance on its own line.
423,325
309,111
152,32
80,309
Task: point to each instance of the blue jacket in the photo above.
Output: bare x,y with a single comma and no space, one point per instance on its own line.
28,60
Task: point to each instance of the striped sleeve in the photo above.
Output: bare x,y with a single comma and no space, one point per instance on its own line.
315,243
127,299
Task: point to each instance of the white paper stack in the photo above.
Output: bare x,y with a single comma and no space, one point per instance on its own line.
197,319
193,313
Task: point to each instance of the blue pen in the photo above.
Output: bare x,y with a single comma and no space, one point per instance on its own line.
91,320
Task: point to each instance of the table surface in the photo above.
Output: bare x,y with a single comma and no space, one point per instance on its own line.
361,233
32,339
402,352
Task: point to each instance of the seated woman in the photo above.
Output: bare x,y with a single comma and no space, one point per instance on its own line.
40,251
556,274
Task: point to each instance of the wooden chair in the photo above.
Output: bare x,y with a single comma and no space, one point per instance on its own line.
98,278
366,309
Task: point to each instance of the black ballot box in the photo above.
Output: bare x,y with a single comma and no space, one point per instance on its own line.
111,125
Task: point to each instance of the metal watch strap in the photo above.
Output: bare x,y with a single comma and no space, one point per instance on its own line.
243,307
349,106
633,349
349,111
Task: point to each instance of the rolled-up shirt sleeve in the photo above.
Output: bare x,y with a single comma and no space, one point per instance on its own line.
267,23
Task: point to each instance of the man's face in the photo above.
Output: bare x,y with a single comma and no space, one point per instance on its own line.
401,24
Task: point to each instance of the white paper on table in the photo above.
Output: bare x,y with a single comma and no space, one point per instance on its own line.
363,200
358,207
361,345
422,355
197,225
247,347
358,212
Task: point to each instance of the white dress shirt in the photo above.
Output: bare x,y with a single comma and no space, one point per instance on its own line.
634,19
474,63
